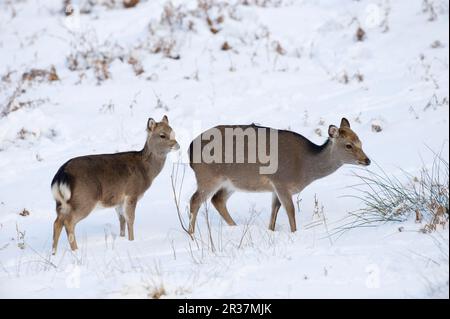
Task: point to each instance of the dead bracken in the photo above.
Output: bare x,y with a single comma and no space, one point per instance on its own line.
136,64
24,213
130,3
360,34
225,46
41,75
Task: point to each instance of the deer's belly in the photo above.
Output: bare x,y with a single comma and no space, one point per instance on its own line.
111,200
262,184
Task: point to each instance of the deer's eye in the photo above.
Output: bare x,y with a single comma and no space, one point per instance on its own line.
348,146
162,135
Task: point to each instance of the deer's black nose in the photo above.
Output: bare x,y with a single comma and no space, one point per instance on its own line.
367,161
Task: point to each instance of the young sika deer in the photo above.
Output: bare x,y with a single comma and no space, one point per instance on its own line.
300,162
109,180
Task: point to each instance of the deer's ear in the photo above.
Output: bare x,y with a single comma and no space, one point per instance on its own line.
345,123
151,124
333,131
165,119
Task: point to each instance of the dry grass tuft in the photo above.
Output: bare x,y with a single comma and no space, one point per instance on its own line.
157,292
386,198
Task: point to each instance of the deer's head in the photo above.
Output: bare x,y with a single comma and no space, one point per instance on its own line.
346,144
161,137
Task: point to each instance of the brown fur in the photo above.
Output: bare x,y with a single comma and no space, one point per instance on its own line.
109,180
300,162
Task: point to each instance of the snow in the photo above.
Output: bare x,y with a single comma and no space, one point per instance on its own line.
302,89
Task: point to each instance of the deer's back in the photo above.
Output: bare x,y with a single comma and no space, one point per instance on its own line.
246,176
105,177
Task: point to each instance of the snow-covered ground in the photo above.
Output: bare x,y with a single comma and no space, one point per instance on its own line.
287,64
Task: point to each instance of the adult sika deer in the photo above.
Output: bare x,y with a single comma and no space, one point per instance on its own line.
224,163
109,180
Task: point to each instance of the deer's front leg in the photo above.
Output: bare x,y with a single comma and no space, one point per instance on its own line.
122,221
130,207
285,198
275,208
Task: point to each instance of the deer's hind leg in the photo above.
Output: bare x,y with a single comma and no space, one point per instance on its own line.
69,225
219,200
57,227
130,208
205,188
77,211
276,204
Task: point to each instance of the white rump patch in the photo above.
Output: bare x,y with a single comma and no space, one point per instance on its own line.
61,192
65,191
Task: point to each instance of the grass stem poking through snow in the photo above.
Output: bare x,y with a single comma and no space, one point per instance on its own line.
176,197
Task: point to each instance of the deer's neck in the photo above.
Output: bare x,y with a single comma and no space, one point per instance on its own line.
153,161
322,160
